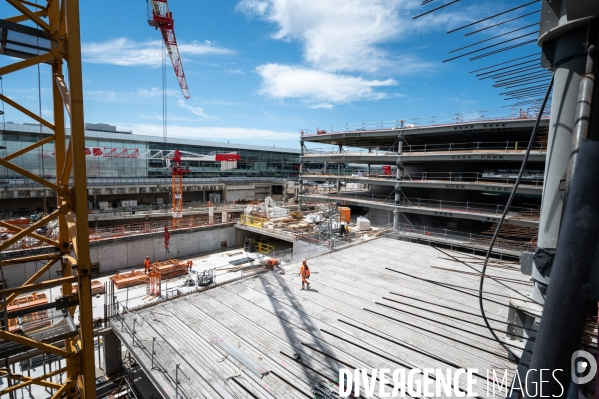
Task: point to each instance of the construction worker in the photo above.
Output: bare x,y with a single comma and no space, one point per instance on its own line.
147,265
189,264
271,263
305,273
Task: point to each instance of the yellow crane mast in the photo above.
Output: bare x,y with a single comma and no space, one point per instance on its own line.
55,40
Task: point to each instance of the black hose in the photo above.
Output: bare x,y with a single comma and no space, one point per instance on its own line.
506,210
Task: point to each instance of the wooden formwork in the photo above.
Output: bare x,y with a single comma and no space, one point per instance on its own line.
34,321
170,268
41,317
133,278
97,287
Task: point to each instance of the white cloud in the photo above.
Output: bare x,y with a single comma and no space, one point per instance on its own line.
283,81
339,35
198,111
210,133
126,52
322,105
341,38
137,94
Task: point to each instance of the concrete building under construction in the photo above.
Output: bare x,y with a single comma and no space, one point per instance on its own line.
465,249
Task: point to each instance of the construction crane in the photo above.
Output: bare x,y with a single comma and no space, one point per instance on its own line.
174,161
177,172
227,160
160,17
55,41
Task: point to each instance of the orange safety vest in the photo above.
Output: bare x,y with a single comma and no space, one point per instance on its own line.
147,263
304,271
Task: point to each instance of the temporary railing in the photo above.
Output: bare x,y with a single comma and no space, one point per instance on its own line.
493,116
166,211
253,221
157,361
529,178
117,182
100,233
463,238
426,203
474,147
264,248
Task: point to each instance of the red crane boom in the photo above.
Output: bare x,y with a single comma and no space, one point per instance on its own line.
160,17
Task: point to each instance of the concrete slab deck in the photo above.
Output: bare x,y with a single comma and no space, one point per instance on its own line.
381,304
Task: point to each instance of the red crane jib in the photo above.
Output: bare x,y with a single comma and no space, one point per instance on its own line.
227,157
160,17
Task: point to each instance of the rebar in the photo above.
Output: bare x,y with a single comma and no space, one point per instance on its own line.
249,363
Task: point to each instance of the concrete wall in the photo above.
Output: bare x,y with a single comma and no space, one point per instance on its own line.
304,250
239,192
129,252
379,217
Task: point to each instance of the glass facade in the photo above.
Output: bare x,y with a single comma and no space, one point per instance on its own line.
256,161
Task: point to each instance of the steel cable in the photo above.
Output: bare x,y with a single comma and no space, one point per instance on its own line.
505,211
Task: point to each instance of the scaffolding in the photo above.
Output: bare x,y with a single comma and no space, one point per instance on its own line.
253,221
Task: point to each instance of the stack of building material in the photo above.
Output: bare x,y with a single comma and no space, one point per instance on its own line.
170,268
25,302
363,223
130,279
29,301
516,236
35,320
528,213
97,287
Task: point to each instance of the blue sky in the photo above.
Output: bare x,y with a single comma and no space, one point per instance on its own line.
260,70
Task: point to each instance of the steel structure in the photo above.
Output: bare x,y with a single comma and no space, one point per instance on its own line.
227,160
55,40
160,17
175,160
177,171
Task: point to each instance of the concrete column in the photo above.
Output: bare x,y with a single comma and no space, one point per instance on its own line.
561,124
398,177
112,353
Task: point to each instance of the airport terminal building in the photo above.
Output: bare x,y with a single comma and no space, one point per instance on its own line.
117,170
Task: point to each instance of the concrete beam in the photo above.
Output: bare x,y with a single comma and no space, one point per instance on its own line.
481,216
453,185
407,158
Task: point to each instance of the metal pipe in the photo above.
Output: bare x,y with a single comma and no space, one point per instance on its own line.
583,111
570,296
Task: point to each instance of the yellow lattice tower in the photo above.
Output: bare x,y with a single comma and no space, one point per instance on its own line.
55,41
